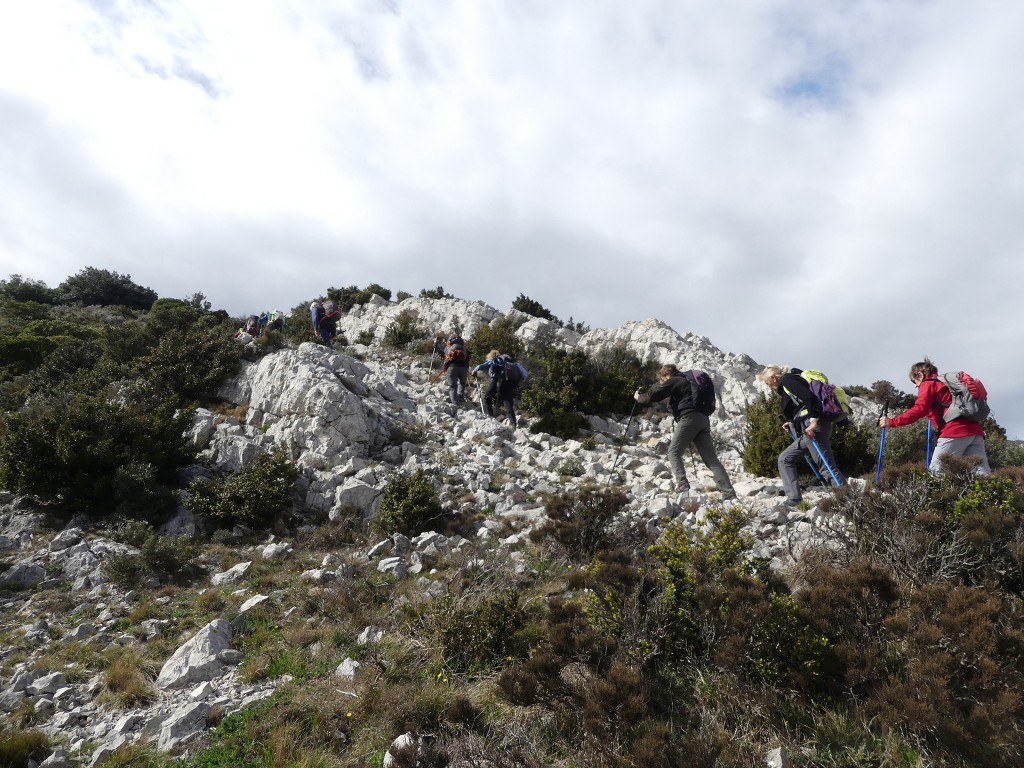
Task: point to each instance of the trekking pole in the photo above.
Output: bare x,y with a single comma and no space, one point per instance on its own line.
928,447
430,369
881,444
479,394
827,466
625,434
792,436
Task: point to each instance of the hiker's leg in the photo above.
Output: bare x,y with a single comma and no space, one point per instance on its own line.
492,390
683,431
976,447
705,446
508,395
453,385
944,446
462,372
824,437
789,460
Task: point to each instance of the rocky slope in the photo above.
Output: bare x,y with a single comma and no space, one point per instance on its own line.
350,424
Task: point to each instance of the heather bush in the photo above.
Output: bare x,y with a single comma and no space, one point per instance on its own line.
580,522
479,632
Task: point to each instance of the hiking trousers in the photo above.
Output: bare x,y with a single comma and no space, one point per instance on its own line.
791,458
458,376
506,393
972,445
694,428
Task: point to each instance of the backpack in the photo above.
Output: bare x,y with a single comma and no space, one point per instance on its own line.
514,372
456,353
970,398
498,368
702,390
252,325
835,405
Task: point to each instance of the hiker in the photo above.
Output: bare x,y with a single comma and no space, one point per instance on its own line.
805,422
272,321
499,386
691,426
957,437
325,321
252,326
456,368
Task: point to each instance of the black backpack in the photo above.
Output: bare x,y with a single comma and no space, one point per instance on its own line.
702,390
512,372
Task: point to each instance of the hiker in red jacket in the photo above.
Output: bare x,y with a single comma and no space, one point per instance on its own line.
958,437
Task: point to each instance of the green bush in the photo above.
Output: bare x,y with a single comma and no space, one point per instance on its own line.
103,287
81,452
403,330
499,335
435,293
19,289
168,558
409,505
532,308
351,296
565,385
253,496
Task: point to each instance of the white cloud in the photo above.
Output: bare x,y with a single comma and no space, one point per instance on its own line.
831,184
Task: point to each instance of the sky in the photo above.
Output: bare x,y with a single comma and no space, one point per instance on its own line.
831,184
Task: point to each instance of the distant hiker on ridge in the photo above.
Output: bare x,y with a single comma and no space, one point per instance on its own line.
325,320
691,395
957,437
806,423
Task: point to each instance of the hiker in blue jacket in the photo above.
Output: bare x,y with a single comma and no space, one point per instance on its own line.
505,390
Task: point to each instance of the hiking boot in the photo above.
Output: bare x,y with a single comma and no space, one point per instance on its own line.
682,488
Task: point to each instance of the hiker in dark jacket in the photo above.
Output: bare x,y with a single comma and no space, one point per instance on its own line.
456,368
957,437
691,428
498,386
804,421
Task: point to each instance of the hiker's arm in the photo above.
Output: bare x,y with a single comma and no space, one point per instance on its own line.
920,408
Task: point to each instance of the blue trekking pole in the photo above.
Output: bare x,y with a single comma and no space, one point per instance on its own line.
928,446
881,444
825,463
814,469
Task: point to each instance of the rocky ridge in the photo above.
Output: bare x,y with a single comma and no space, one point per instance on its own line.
351,424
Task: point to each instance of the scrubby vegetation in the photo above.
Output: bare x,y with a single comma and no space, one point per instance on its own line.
895,640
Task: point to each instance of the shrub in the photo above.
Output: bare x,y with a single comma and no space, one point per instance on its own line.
103,287
571,467
409,505
435,293
580,523
351,296
253,496
402,296
532,308
19,289
72,452
500,335
482,632
403,330
764,439
168,558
